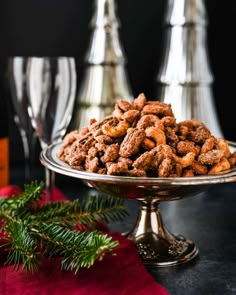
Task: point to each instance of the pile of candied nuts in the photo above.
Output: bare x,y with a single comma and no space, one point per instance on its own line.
141,139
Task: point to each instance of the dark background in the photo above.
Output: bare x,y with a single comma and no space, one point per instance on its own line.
61,27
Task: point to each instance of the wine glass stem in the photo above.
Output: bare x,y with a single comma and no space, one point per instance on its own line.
28,155
50,180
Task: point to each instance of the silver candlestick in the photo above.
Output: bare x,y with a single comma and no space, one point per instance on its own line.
185,78
105,80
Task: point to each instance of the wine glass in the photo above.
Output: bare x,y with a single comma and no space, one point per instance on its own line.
16,75
51,86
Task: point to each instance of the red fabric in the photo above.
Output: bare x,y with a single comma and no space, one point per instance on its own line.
123,274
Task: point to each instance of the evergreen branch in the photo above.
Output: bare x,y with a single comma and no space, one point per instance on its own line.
32,193
87,212
28,225
23,247
78,249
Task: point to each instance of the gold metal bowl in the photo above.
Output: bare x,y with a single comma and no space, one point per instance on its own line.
155,244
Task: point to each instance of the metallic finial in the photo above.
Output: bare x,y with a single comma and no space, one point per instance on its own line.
105,79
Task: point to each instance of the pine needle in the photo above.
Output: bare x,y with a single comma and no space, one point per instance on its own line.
30,226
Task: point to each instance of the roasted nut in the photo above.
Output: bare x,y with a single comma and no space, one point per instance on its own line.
186,146
199,169
144,161
220,166
222,144
212,157
156,134
115,128
186,160
139,102
148,120
111,153
208,145
142,138
165,168
130,115
132,141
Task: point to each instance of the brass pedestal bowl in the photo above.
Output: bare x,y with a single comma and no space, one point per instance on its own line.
155,244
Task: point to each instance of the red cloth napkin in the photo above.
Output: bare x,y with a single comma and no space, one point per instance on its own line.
123,274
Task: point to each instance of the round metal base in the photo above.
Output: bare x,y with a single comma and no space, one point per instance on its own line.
161,253
156,246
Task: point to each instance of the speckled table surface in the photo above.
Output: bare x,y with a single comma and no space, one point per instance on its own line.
208,219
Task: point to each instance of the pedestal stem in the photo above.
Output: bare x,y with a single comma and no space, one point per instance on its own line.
155,244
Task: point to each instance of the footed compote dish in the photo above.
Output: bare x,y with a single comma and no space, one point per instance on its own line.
155,244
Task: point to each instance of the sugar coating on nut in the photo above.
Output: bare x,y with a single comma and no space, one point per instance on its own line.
143,139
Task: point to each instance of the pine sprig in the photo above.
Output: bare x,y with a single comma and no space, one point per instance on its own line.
33,230
86,212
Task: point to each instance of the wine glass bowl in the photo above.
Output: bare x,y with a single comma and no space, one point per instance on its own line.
51,86
16,74
156,245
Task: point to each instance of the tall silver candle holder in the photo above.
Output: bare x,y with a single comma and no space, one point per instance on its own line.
105,79
185,78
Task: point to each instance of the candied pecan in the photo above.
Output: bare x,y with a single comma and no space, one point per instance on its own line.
232,160
97,125
111,153
200,135
212,157
220,166
168,121
171,138
92,164
132,141
139,102
124,105
92,121
182,132
101,146
136,173
115,128
102,171
188,172
117,168
199,169
208,145
117,113
176,170
163,149
61,152
73,135
93,151
77,158
165,168
127,161
104,139
186,146
144,161
222,144
79,167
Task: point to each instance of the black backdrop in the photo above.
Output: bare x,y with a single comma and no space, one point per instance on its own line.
61,27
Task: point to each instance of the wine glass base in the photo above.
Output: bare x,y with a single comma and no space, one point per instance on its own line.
158,252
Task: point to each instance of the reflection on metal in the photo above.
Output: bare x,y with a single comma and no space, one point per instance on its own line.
185,78
156,245
105,79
